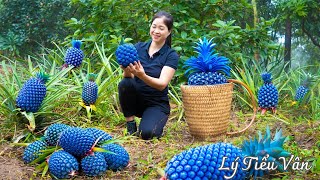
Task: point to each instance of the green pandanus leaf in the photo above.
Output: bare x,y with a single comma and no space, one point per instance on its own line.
43,76
41,166
44,155
30,117
45,170
97,149
20,144
92,76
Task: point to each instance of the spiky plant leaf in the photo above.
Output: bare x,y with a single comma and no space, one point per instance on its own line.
45,170
45,154
30,117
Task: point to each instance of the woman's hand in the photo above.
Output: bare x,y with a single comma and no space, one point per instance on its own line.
136,69
126,72
158,83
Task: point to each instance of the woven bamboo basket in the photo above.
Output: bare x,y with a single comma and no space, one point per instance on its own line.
208,108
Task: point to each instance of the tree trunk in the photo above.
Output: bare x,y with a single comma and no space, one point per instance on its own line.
287,44
255,22
312,38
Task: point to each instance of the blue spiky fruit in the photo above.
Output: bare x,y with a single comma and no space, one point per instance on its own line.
77,141
214,161
304,87
74,54
203,162
118,159
265,147
53,132
63,165
208,68
32,93
267,94
126,53
90,90
300,93
33,151
94,164
99,134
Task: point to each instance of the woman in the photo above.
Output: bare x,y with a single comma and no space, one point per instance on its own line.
143,92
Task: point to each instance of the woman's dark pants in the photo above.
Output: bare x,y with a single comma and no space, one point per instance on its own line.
153,117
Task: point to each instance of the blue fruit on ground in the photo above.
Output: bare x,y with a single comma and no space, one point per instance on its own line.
77,141
118,159
32,93
126,53
53,133
304,87
204,162
94,164
99,134
33,151
63,165
268,94
300,93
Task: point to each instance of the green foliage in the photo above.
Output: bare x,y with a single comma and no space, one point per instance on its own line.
287,83
178,111
11,42
108,77
249,72
25,25
10,82
63,88
304,15
14,75
103,21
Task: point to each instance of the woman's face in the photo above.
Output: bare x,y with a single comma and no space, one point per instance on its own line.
159,31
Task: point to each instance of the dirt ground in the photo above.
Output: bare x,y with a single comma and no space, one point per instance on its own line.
11,167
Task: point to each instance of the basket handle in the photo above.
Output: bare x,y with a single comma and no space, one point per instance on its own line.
253,104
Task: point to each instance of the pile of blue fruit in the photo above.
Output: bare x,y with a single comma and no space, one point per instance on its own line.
80,151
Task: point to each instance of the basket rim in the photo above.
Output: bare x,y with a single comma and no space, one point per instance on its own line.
200,86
